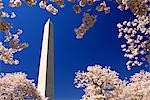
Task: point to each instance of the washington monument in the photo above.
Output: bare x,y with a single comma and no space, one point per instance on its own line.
46,66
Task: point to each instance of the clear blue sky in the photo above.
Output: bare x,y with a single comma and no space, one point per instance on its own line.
100,45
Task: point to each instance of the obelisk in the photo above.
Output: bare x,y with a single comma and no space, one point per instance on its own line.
46,68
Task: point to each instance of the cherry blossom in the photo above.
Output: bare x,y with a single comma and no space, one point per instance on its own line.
16,86
101,83
136,32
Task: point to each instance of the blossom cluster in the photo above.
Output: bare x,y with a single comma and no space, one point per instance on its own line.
16,86
77,9
137,44
50,8
13,41
83,3
5,14
59,2
103,7
101,83
17,3
1,4
138,7
136,32
139,87
87,22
